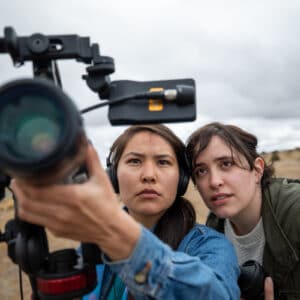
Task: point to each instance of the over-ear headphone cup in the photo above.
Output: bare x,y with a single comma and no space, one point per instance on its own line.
183,182
184,174
111,171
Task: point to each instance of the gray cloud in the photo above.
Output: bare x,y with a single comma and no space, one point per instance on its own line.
244,55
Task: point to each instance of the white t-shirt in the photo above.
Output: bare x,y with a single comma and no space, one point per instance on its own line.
249,246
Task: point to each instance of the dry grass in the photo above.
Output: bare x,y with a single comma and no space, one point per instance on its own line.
288,165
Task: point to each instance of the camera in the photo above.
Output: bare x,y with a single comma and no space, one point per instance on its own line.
43,141
41,131
252,280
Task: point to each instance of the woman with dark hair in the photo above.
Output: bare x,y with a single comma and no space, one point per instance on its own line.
153,249
257,212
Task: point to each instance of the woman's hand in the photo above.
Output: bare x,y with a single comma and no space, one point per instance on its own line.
87,212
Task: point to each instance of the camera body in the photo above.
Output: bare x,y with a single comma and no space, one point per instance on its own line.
251,280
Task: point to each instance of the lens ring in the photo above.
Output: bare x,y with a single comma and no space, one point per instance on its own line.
39,124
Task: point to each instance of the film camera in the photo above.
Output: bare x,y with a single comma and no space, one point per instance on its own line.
42,140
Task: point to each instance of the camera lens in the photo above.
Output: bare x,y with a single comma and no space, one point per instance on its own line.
35,137
30,124
39,127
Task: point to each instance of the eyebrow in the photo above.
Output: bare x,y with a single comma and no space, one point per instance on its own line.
216,160
156,156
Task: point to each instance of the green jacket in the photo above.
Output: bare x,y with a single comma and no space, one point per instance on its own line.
281,221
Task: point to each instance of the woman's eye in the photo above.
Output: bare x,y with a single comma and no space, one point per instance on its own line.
164,162
227,163
133,161
200,172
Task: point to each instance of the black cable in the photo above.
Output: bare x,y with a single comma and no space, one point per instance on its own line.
109,102
85,110
21,284
147,95
181,95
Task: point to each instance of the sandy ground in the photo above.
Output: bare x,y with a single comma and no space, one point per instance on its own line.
9,283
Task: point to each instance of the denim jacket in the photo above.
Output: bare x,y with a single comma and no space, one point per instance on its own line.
203,267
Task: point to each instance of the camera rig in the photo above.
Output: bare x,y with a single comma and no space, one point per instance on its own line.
150,101
64,274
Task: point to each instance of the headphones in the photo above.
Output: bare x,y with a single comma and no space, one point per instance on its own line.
184,173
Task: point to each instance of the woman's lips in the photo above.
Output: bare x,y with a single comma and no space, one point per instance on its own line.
220,199
148,193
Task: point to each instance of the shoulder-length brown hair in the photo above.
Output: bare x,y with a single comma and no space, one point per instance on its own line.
236,138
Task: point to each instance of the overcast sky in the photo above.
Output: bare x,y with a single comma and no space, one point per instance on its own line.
243,55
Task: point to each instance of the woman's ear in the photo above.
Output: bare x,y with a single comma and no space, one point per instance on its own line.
259,166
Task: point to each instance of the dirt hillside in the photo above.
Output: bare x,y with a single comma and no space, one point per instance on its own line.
286,163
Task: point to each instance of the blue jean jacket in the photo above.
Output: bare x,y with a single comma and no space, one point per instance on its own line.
204,267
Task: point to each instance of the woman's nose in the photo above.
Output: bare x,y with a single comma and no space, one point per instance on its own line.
149,173
215,179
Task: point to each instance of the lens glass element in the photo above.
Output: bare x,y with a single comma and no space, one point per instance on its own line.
31,124
36,136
